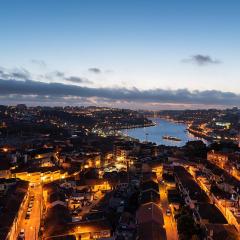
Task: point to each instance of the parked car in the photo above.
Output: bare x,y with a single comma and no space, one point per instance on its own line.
168,212
21,234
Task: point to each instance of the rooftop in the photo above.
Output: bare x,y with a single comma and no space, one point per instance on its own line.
151,231
149,196
10,204
211,213
149,185
194,191
149,212
223,231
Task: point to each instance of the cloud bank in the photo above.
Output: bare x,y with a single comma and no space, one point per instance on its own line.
39,91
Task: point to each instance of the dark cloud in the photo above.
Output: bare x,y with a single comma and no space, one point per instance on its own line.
202,60
63,91
95,70
75,79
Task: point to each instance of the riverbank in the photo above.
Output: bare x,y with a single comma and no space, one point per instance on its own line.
200,135
133,126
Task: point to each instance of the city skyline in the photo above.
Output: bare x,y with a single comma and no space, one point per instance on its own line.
138,54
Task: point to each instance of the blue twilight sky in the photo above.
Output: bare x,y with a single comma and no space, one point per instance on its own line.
154,52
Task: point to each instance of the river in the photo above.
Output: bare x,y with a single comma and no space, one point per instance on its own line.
162,127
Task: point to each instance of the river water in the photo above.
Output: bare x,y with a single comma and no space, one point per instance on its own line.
162,127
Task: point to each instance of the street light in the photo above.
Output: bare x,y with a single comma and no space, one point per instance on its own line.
5,149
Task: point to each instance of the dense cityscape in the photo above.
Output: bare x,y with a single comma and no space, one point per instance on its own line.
119,120
70,173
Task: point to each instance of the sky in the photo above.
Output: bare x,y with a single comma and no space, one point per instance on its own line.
151,54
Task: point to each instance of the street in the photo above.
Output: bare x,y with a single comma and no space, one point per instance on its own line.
31,225
169,222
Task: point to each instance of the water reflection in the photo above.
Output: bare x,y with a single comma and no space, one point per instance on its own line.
162,128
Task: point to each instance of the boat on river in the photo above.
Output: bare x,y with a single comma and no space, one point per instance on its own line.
171,138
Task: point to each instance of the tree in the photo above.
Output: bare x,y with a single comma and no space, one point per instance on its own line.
185,224
196,149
